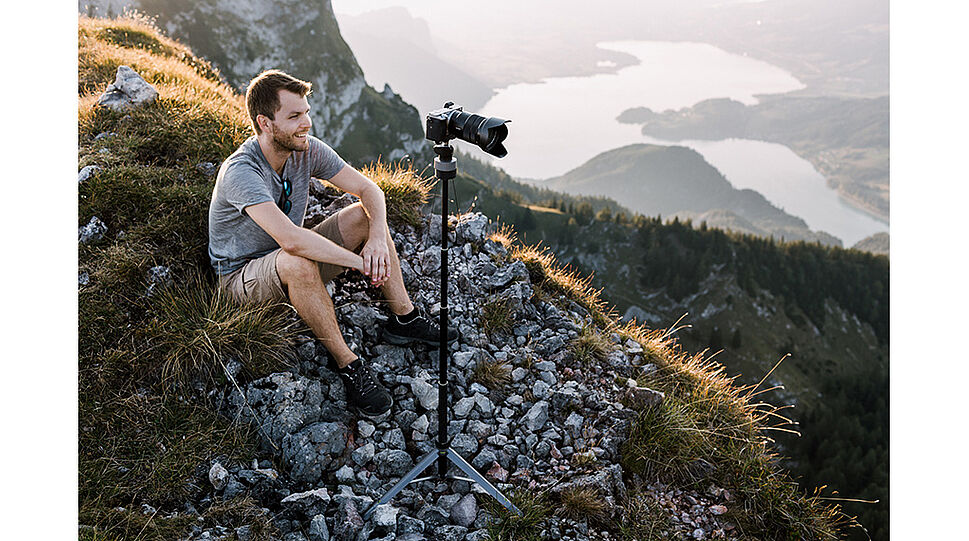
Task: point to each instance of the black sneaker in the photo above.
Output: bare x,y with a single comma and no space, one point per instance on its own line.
364,392
420,329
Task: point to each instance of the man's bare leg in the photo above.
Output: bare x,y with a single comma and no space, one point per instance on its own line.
308,295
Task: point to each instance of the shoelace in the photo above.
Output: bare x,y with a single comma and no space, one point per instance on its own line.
362,379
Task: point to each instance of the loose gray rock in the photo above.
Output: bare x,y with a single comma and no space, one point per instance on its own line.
472,228
465,511
311,502
425,393
393,463
537,416
385,517
450,532
639,398
347,521
363,454
94,231
218,476
318,529
127,91
345,474
87,172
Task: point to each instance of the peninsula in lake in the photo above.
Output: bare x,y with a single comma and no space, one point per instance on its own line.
845,139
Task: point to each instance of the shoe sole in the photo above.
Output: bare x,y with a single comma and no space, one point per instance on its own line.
404,340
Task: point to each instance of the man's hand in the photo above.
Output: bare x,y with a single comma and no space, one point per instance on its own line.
376,259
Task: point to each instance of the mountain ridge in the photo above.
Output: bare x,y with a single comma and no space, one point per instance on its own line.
676,181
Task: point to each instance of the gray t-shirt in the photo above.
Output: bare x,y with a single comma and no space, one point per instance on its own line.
245,179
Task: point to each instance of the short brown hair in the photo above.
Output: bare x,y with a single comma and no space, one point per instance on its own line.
262,95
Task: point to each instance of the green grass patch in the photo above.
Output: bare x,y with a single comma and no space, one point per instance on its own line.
535,509
497,316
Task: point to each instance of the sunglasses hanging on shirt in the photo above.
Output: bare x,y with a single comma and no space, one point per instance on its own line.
284,203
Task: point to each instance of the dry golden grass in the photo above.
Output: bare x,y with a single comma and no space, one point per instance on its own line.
404,189
580,503
492,374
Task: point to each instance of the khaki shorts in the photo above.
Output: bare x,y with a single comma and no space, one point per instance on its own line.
258,280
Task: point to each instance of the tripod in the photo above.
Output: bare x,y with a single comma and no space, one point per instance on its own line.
445,169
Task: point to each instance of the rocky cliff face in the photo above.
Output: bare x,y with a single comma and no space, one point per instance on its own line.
242,38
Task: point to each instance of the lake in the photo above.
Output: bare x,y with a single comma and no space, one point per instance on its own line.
562,122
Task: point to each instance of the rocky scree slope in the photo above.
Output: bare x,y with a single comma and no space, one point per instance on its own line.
542,420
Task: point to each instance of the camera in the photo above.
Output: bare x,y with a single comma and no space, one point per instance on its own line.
453,122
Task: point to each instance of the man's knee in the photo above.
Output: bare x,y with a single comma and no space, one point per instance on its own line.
354,225
296,269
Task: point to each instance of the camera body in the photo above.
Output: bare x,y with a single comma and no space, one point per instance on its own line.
453,122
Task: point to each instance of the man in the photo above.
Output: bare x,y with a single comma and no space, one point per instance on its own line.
261,252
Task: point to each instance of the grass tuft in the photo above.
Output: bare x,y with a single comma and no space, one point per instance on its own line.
584,503
535,509
642,520
589,347
404,189
497,316
196,327
492,374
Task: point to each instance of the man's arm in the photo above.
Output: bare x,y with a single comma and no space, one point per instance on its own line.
299,241
376,251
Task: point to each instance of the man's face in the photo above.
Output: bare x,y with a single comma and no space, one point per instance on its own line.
292,122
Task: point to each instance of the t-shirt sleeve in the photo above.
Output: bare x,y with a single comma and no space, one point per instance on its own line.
325,163
242,186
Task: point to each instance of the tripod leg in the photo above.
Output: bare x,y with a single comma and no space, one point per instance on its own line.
482,482
404,481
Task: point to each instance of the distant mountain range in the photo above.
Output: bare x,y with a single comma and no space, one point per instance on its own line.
676,181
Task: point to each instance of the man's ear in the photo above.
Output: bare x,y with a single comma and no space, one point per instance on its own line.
263,122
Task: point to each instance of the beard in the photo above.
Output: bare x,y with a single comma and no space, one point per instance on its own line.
288,141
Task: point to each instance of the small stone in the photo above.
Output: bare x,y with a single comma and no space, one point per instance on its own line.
699,534
385,516
318,529
87,172
450,532
94,231
425,393
218,476
639,398
347,520
537,416
465,511
718,509
363,454
518,374
345,475
393,463
498,473
463,407
365,429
